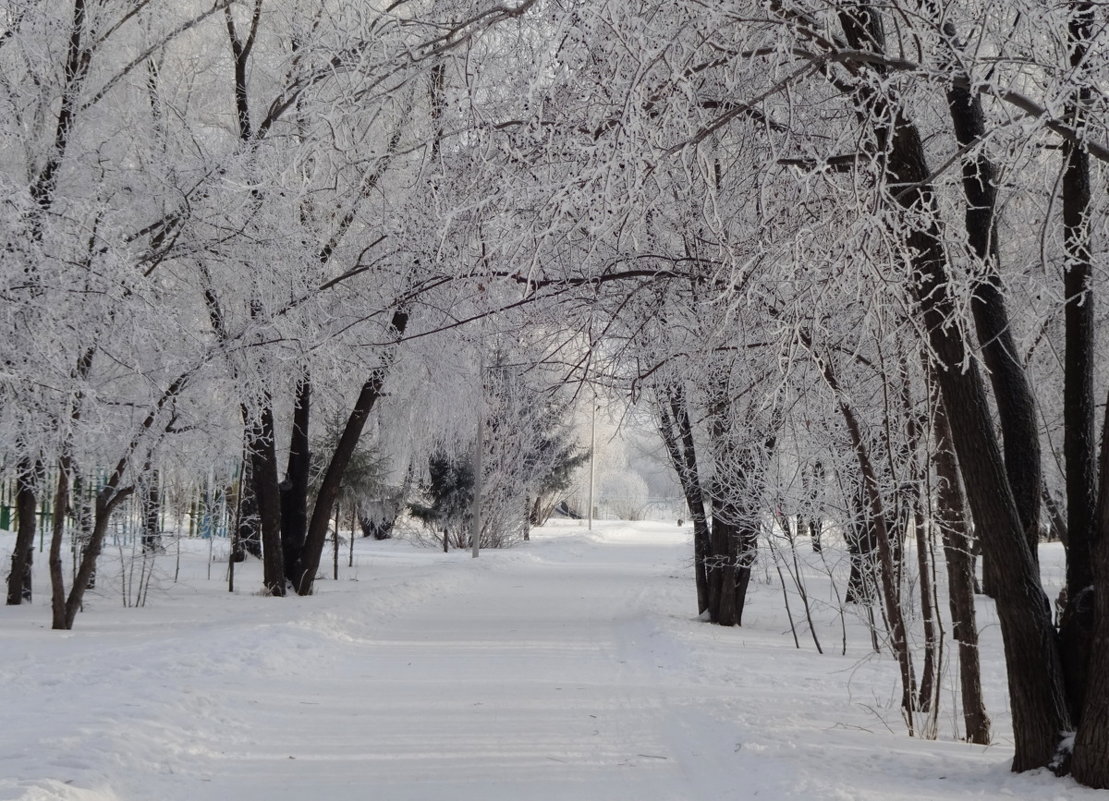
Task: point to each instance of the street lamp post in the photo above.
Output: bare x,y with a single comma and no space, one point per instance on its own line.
475,531
475,522
592,459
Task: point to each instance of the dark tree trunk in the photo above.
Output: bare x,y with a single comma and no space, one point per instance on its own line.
861,551
375,528
248,537
929,683
378,517
84,499
747,552
733,545
1085,626
309,562
740,456
78,58
951,518
1016,405
57,577
721,564
1035,679
1090,764
28,478
267,495
914,507
858,584
294,489
1036,691
107,500
1035,676
1079,443
677,435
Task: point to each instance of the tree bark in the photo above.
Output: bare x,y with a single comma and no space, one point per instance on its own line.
1036,690
888,572
861,550
1085,629
57,577
957,546
309,563
721,568
1016,405
107,500
28,475
267,495
677,435
294,489
1079,443
1090,765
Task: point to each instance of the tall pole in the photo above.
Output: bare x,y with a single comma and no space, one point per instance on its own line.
592,458
475,523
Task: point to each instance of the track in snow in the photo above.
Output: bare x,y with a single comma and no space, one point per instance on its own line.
569,668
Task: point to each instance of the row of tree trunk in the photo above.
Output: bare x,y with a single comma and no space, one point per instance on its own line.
1047,670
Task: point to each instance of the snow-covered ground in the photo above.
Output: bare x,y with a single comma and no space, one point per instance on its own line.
571,667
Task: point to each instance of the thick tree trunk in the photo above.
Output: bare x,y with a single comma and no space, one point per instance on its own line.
747,549
248,538
1079,443
267,495
696,497
740,455
1090,765
677,435
862,553
57,575
951,518
294,489
721,564
28,477
733,545
1016,405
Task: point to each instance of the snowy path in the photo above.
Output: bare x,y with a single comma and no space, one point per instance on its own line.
569,668
536,680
